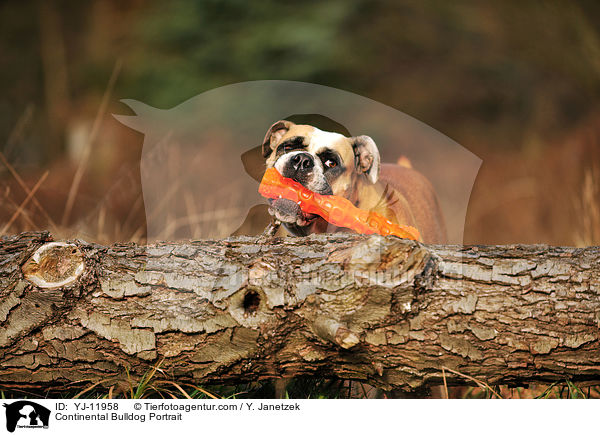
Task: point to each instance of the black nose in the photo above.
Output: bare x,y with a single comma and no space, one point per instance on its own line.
302,162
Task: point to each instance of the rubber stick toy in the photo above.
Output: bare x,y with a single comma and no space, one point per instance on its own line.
334,209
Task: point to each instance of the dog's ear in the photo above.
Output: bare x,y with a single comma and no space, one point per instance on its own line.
274,134
254,163
366,157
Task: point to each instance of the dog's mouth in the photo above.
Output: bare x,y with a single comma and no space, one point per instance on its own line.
304,169
309,217
322,188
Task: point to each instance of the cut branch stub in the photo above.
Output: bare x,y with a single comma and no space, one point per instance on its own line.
335,332
54,264
384,311
36,284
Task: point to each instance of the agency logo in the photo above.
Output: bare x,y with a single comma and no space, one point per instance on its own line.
26,414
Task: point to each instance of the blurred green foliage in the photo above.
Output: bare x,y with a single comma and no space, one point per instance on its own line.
500,74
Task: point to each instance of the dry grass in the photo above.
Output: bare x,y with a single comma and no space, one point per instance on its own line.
21,207
83,162
118,215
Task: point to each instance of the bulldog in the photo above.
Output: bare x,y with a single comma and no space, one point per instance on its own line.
333,164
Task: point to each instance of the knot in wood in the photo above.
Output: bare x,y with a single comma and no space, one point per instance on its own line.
53,265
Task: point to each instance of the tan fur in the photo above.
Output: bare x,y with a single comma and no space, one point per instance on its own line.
401,193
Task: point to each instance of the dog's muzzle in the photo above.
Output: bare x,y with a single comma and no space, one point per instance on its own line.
304,168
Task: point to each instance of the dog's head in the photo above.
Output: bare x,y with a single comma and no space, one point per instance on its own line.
324,162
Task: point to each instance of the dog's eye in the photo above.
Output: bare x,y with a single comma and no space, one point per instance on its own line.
293,144
291,147
330,163
330,160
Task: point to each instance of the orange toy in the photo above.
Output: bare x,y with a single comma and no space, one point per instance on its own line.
334,209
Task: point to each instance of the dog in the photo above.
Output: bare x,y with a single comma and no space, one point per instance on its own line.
330,163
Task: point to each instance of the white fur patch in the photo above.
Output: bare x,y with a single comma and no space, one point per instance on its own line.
317,183
322,140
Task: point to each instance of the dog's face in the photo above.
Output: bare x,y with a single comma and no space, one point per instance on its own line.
324,162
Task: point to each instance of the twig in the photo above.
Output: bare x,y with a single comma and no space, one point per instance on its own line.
445,384
26,189
25,215
478,382
91,387
24,203
202,390
186,395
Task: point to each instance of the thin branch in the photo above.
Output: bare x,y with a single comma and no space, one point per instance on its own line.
445,383
23,204
27,190
477,381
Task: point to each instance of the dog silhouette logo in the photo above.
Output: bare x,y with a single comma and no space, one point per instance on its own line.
26,414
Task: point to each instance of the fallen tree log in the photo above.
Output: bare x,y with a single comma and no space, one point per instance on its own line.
384,311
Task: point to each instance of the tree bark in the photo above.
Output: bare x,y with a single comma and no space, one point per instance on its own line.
384,311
